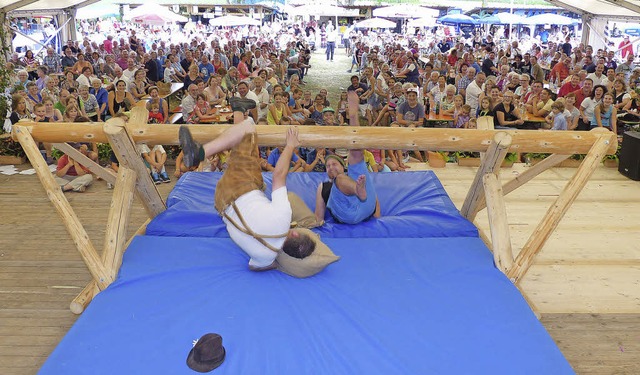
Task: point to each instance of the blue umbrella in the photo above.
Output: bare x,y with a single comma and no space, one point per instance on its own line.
457,19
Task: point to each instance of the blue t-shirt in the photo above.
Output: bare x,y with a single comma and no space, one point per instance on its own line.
559,122
275,155
207,70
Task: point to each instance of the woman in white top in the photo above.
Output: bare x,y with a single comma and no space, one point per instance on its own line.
589,104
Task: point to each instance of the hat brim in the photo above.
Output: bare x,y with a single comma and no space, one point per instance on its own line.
205,366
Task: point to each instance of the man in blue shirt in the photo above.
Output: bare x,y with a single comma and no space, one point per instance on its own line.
206,68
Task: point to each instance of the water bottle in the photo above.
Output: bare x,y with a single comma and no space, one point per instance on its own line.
437,109
427,107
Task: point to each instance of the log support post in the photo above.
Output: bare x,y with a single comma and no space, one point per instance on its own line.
490,164
128,156
559,208
77,232
497,212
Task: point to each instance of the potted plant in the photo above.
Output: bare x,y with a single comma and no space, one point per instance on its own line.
573,162
10,151
509,160
468,159
437,159
611,161
534,158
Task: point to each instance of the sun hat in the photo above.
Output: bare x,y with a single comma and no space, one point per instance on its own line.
207,354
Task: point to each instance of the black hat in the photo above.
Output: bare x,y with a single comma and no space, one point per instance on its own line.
207,354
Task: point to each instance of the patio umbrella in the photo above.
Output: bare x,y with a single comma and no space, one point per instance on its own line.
153,14
405,11
324,10
422,22
549,19
374,23
457,19
509,18
101,9
234,21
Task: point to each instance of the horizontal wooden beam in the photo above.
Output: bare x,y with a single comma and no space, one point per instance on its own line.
565,142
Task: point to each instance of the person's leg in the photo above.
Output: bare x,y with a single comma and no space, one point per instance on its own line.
227,140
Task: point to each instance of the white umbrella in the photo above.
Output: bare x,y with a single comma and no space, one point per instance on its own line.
234,21
101,9
405,11
549,19
509,18
153,14
422,22
374,23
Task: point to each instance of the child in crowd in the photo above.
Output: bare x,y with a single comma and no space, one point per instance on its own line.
485,107
461,118
154,160
559,119
201,112
155,116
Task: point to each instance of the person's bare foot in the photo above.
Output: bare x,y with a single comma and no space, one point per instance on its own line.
361,191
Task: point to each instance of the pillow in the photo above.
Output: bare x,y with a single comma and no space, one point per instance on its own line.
300,213
321,257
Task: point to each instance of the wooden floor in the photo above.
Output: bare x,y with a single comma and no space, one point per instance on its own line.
585,283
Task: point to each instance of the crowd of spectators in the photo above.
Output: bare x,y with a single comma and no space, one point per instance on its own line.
401,80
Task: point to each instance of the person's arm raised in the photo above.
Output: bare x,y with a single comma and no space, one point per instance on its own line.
282,166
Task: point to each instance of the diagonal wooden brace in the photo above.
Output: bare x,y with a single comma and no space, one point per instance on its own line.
490,164
559,208
69,219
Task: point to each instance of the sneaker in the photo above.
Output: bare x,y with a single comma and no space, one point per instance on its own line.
349,71
241,105
164,177
190,148
155,178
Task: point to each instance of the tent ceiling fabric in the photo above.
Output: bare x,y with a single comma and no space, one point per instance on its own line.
599,8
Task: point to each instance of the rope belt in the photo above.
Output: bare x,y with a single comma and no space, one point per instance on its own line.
246,230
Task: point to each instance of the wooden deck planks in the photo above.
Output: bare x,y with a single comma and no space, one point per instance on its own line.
590,257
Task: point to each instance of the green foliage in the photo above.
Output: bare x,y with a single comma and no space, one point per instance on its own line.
9,147
615,156
536,155
104,149
466,155
5,74
511,157
577,157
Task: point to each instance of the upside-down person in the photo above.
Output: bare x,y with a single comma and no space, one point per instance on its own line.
259,226
349,197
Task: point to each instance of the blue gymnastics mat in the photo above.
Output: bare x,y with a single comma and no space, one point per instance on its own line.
389,306
413,204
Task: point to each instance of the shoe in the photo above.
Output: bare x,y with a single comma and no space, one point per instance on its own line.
155,178
241,105
164,177
50,160
349,71
190,148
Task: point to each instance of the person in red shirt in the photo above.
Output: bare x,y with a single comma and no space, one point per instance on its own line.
625,47
560,71
570,86
71,175
584,92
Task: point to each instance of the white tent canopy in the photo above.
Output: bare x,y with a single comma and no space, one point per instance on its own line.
153,14
234,21
375,23
405,11
101,9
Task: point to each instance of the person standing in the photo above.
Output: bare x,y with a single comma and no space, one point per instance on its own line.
332,36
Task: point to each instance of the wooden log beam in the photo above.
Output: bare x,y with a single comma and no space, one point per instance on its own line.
106,174
498,224
118,220
490,164
69,219
81,301
128,156
433,139
558,209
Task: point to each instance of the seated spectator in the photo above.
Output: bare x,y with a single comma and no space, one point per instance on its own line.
19,109
155,116
88,104
102,96
120,100
154,160
71,175
506,113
